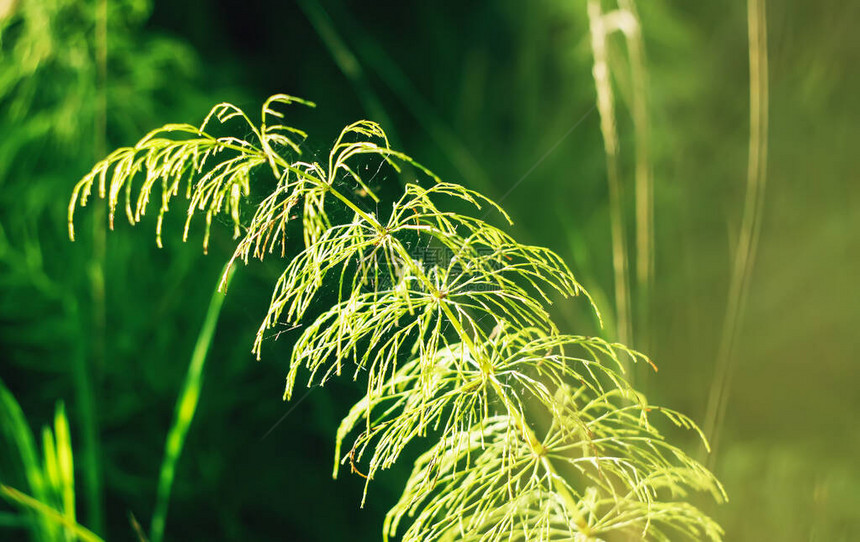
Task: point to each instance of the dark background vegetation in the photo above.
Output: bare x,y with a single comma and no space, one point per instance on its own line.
479,92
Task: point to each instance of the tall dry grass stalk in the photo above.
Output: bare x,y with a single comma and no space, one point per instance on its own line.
643,177
601,26
745,252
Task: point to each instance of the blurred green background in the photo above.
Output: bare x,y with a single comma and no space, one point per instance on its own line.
496,95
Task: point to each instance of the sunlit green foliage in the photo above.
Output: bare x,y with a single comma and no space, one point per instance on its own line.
498,98
532,434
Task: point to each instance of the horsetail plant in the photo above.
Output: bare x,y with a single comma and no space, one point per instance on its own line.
531,433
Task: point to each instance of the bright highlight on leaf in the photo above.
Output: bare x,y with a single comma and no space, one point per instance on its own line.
531,434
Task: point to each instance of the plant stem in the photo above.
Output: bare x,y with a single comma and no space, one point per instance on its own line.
91,448
597,23
750,227
186,406
86,370
644,182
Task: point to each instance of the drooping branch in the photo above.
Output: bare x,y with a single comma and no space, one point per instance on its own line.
531,432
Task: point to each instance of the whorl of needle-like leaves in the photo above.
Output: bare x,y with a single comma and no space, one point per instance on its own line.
533,434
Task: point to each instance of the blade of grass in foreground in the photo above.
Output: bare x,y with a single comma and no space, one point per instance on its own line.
185,408
65,463
16,432
26,501
59,469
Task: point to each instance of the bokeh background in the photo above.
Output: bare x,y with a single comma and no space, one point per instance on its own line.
499,96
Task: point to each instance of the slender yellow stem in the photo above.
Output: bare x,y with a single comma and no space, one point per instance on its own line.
750,226
644,182
605,106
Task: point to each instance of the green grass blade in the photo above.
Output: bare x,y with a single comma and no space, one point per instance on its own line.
84,369
52,480
17,433
65,464
185,408
22,499
14,425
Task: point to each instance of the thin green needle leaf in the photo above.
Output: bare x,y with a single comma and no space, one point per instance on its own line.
18,436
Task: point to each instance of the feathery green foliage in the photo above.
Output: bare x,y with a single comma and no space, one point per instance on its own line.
531,434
